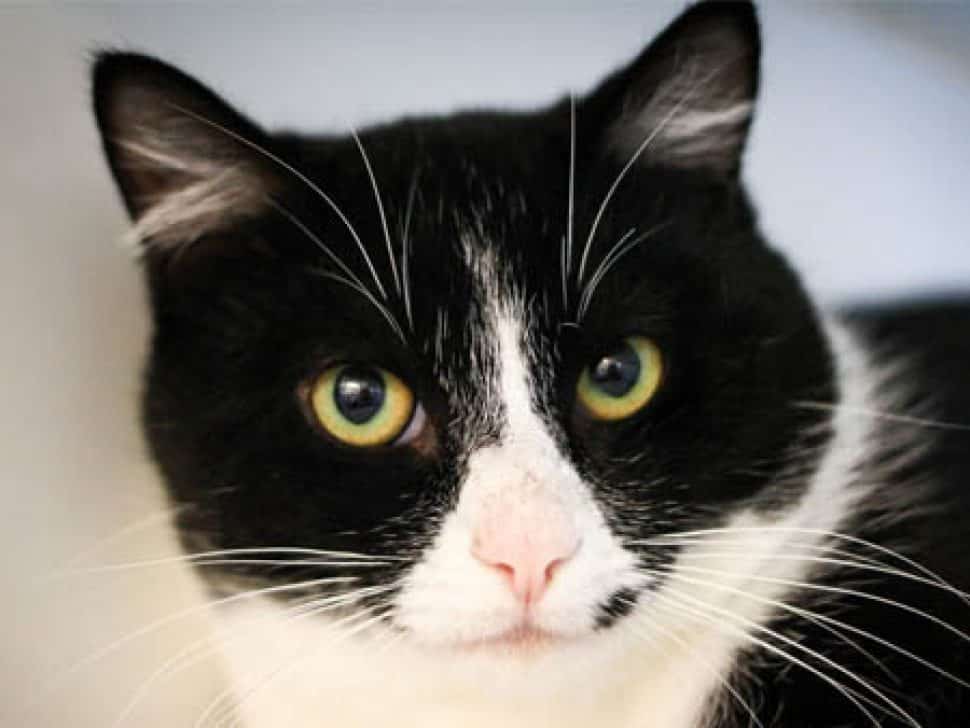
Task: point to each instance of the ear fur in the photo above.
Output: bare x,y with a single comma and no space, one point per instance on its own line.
687,100
176,150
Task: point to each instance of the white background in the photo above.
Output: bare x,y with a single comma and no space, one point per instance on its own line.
859,162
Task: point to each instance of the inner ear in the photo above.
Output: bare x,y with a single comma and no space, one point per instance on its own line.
184,160
687,100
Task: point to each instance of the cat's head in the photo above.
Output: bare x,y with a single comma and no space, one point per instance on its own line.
486,372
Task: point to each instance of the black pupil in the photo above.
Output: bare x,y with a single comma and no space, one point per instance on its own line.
359,394
617,372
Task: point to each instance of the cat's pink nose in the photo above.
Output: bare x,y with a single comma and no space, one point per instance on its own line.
527,545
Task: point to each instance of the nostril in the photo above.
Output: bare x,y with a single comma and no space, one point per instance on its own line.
553,567
505,569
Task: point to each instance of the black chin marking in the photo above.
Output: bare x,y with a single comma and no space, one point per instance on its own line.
616,607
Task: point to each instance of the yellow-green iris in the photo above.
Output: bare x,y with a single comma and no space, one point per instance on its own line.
362,405
622,382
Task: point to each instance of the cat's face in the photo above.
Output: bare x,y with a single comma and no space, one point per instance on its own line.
485,370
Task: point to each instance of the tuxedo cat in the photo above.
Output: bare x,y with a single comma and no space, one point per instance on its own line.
516,419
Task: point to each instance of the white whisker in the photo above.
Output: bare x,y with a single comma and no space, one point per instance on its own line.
816,618
383,310
832,562
139,525
406,248
235,702
349,557
380,209
566,254
300,176
608,262
616,252
828,624
838,590
880,415
848,538
158,624
678,607
319,243
303,563
623,238
192,654
665,541
619,178
705,663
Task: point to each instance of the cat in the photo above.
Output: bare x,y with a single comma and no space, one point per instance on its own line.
516,419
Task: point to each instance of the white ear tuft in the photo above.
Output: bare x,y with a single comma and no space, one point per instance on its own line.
183,158
687,101
210,197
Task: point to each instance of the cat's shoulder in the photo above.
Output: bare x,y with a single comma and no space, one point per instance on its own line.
919,327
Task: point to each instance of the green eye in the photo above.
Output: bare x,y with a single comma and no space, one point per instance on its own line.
361,405
623,381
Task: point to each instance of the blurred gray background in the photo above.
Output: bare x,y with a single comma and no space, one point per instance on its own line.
859,162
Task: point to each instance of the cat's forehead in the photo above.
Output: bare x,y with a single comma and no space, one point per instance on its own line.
484,347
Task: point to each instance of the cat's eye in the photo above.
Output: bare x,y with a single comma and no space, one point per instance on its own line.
365,406
622,381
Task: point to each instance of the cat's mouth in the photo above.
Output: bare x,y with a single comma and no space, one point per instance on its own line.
523,639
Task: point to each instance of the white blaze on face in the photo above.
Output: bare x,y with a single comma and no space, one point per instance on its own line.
526,545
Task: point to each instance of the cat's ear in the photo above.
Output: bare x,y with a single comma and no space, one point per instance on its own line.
687,100
184,160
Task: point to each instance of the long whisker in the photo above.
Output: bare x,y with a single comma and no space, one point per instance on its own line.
319,243
380,209
677,607
223,707
673,541
695,654
819,620
816,618
566,261
235,702
385,313
880,415
831,562
623,172
158,624
582,297
406,248
320,555
838,590
848,538
193,653
615,254
751,624
356,629
300,176
139,525
302,563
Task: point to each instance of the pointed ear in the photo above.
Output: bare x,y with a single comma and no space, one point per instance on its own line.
687,100
176,151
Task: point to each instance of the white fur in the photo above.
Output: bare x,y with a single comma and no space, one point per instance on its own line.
668,675
212,196
525,464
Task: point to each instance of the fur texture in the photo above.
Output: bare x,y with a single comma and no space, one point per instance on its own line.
775,539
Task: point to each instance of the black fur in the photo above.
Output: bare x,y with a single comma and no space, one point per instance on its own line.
923,511
244,320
